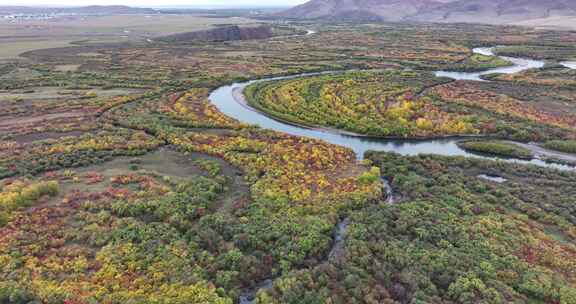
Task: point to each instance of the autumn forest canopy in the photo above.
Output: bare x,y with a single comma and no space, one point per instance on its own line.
226,157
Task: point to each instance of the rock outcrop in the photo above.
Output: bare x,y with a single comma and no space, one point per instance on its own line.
226,33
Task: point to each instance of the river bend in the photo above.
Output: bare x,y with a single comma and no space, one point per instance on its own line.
230,100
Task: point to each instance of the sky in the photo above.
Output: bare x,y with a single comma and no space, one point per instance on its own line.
149,3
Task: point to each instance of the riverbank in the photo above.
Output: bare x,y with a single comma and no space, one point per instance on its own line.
230,101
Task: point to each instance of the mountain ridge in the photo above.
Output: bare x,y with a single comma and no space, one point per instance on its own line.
359,10
449,11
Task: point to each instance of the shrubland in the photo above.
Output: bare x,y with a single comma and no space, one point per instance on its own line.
241,205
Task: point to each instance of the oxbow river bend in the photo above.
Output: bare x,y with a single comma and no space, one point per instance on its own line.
230,101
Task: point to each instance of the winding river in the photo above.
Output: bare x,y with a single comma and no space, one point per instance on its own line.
230,101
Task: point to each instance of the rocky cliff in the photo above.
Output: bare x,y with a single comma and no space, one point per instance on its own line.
226,33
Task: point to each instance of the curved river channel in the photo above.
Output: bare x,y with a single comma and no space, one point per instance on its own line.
230,101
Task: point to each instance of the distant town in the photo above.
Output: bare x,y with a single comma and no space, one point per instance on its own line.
18,17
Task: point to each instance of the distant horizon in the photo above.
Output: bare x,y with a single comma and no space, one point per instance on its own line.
157,4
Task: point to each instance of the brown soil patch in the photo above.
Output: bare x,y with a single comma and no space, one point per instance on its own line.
27,120
28,138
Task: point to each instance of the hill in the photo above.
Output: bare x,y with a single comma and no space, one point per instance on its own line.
553,13
498,11
359,10
225,33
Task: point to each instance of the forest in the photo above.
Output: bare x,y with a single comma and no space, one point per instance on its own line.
387,103
452,236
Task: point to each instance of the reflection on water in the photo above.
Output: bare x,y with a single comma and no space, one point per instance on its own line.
230,101
486,51
493,178
569,64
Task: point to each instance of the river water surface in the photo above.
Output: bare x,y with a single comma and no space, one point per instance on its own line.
230,101
518,65
569,64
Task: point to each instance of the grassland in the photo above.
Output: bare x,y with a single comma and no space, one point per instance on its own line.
11,48
497,148
44,34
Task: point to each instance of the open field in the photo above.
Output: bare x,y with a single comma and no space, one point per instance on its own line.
498,148
122,182
551,23
23,36
11,48
55,92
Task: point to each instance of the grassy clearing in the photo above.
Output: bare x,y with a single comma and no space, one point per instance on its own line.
497,148
15,47
163,162
168,164
20,73
23,194
46,93
479,62
67,68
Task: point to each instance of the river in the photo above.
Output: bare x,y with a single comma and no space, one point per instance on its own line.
518,65
569,64
230,101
